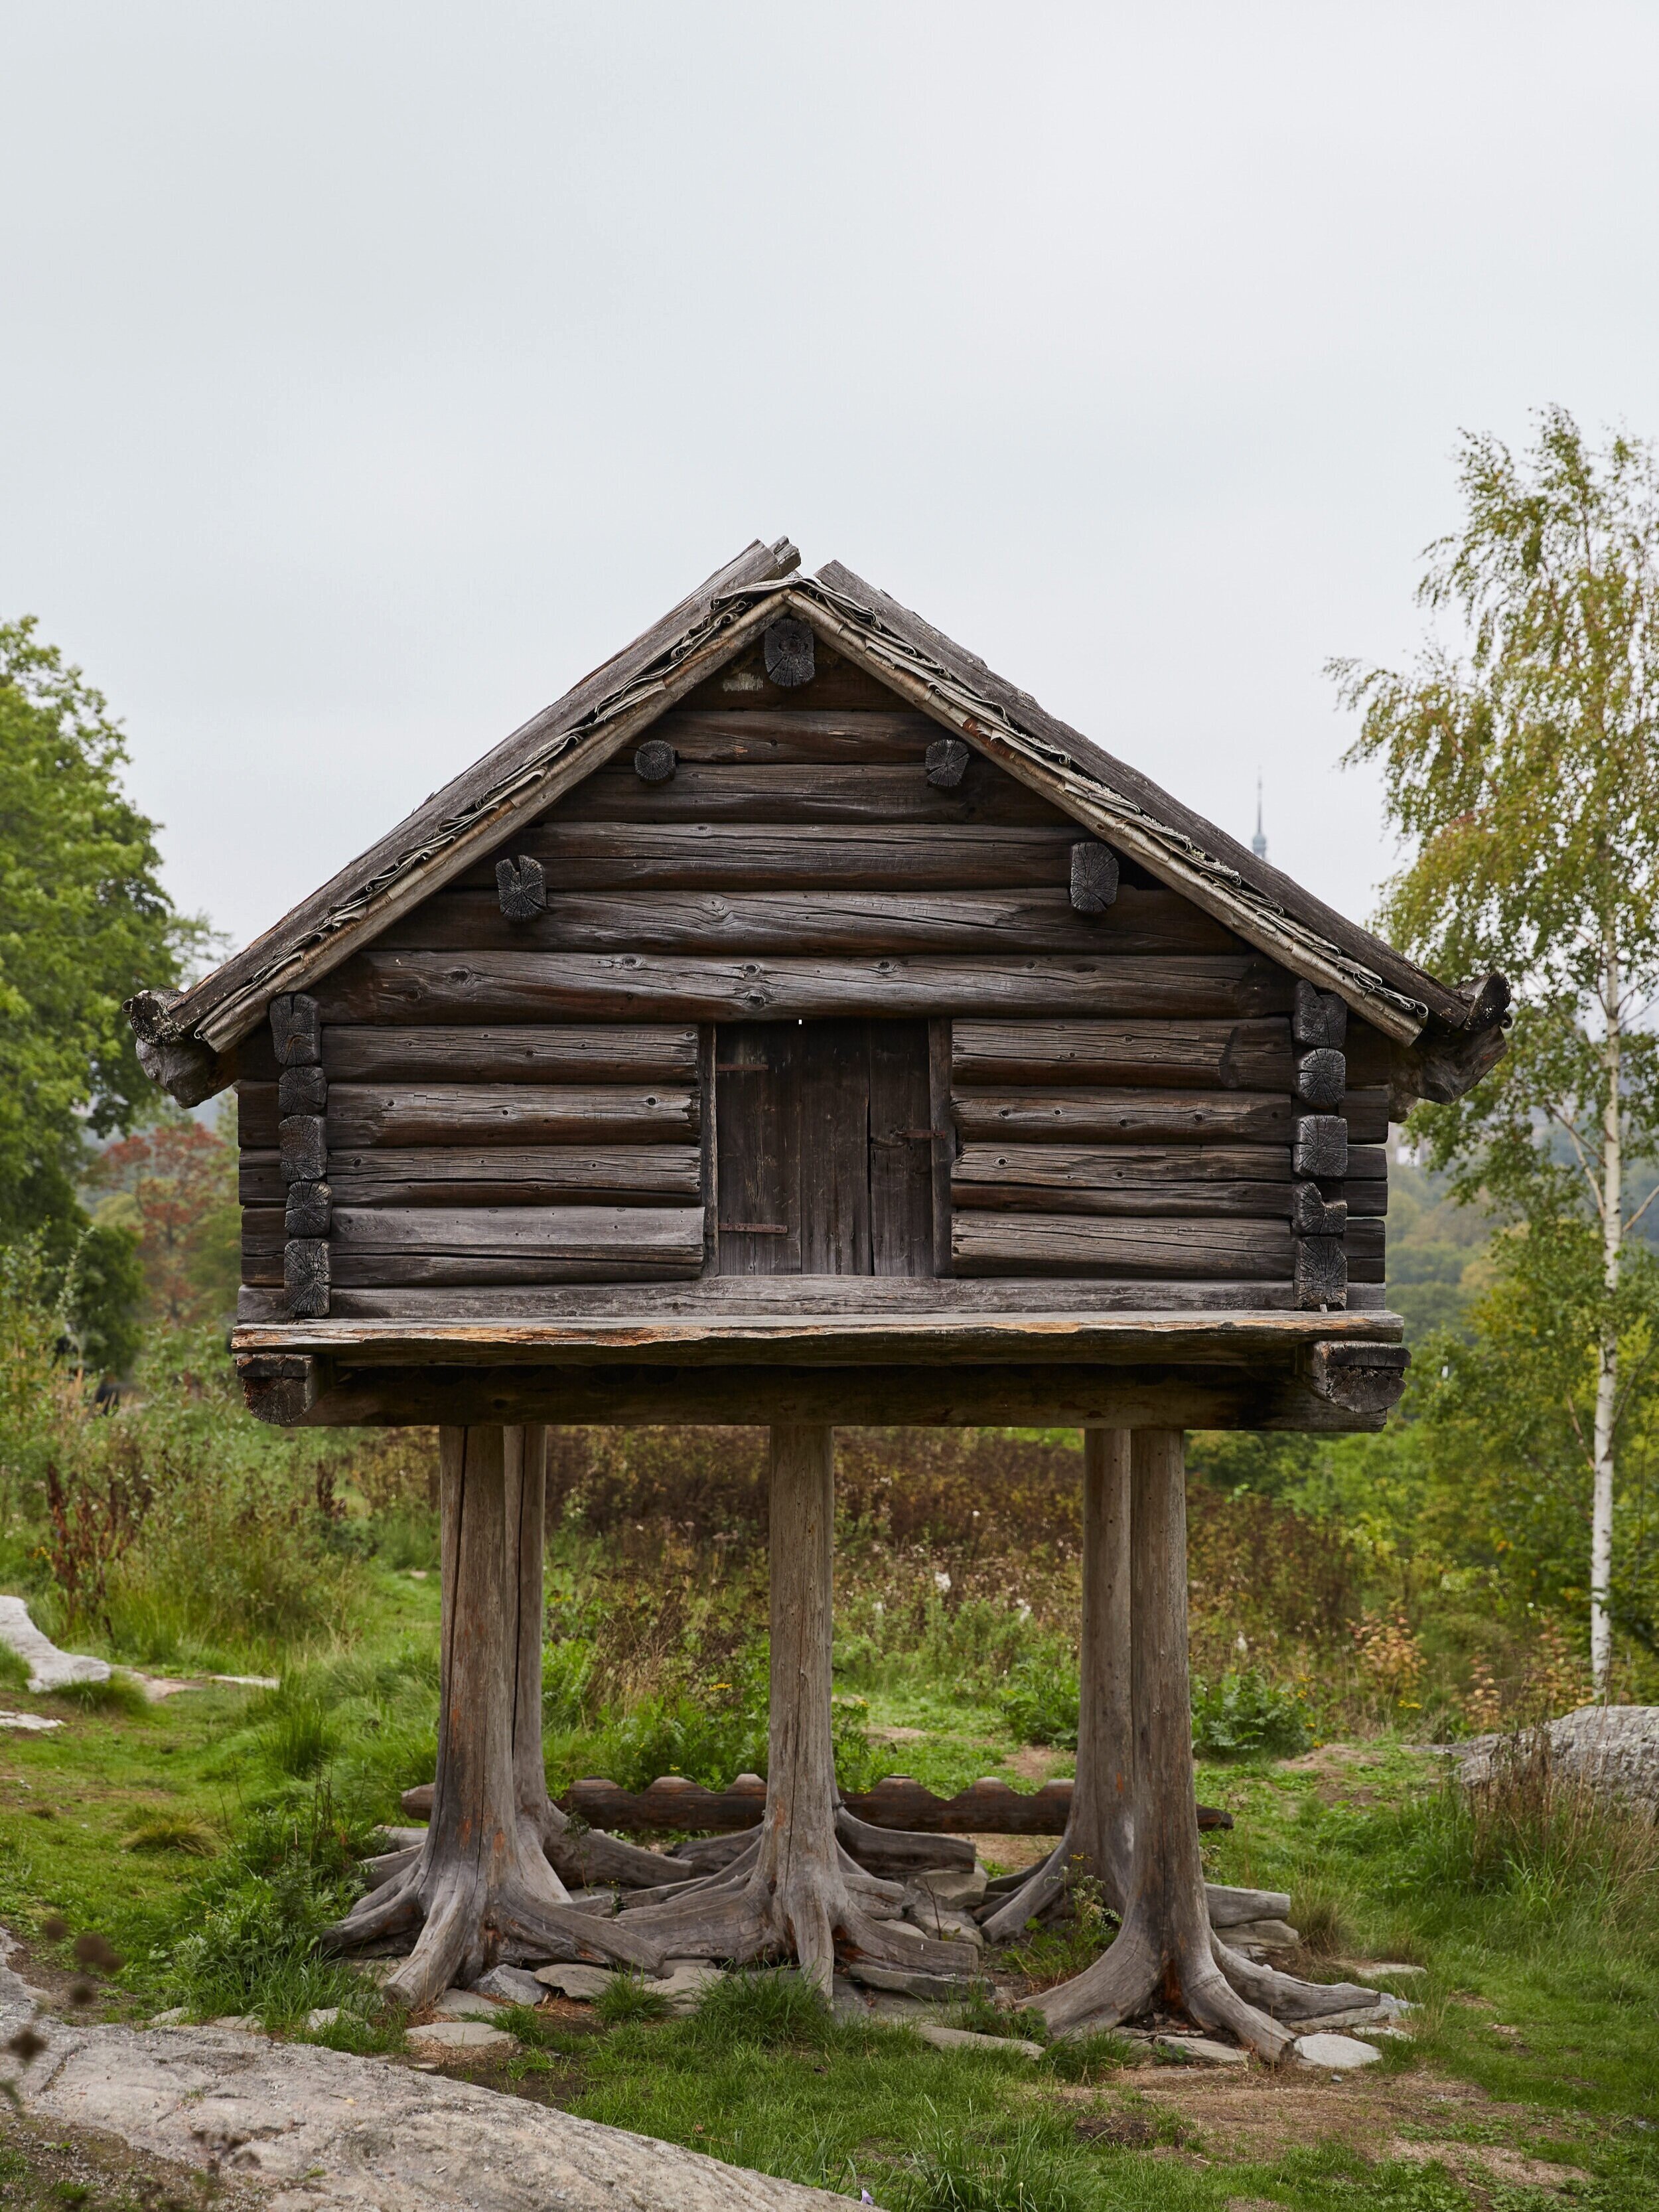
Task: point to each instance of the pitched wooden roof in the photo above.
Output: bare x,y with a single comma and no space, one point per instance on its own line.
1448,1037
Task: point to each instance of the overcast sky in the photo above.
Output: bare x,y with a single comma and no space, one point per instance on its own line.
369,372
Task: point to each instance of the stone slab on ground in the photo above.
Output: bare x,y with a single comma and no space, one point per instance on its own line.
471,2035
1265,1934
964,2039
49,1667
30,1723
1333,2054
1614,1749
584,1983
323,2016
464,2004
902,1982
951,1884
1203,2049
684,1983
510,1985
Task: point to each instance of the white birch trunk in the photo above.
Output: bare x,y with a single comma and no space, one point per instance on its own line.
1606,1377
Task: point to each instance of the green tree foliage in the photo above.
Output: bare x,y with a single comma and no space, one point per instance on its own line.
1523,770
84,923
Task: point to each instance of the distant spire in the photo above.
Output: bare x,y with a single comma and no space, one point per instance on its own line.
1259,843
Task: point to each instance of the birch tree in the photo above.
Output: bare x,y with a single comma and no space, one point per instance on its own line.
1522,768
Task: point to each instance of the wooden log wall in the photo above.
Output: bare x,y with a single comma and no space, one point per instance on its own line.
516,1085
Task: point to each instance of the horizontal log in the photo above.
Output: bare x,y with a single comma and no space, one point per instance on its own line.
671,1806
570,1052
714,1338
505,987
1120,1167
1080,1245
830,921
1365,1197
614,856
363,1114
772,736
395,1245
510,1175
1132,1117
1368,1378
1163,1201
782,795
1364,1243
936,1395
1366,1113
265,1233
1254,1055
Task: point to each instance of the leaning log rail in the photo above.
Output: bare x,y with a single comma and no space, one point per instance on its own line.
673,1805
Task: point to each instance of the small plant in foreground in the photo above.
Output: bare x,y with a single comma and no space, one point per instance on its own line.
1030,2172
1244,1714
117,1694
172,1832
980,2015
1086,2058
772,2007
626,1997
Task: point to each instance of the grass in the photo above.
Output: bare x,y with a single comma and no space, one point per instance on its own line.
1531,1916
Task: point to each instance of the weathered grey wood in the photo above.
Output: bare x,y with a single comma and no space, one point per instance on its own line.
1366,1113
264,1234
899,1167
833,1101
281,1387
464,1114
1364,1196
655,762
293,1026
505,986
1227,1056
569,1052
1166,1201
1096,1842
836,1297
1163,1950
504,1175
1320,1019
1094,874
1364,1244
1130,1116
758,1117
480,1888
302,1141
1314,1215
1365,1378
667,1238
828,920
259,1178
1321,1272
308,1210
306,1276
520,888
677,855
789,649
1182,1170
946,762
771,734
1322,1077
832,790
944,1142
303,1091
1089,1244
1320,1146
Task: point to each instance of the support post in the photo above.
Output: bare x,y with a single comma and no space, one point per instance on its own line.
1096,1841
479,1887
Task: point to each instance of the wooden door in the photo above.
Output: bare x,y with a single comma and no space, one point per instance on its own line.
822,1160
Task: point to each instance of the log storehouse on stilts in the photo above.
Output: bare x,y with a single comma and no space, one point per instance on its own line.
796,1025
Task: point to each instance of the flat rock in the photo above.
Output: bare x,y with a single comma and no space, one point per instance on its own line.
1266,1935
1325,2053
463,2035
943,1922
1202,2050
905,1982
174,2016
1380,1969
49,1667
952,1885
323,2016
1613,1749
510,1985
240,2023
584,1983
464,2004
964,2039
30,1723
684,1983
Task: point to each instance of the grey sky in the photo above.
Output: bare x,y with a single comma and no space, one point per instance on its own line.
370,372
